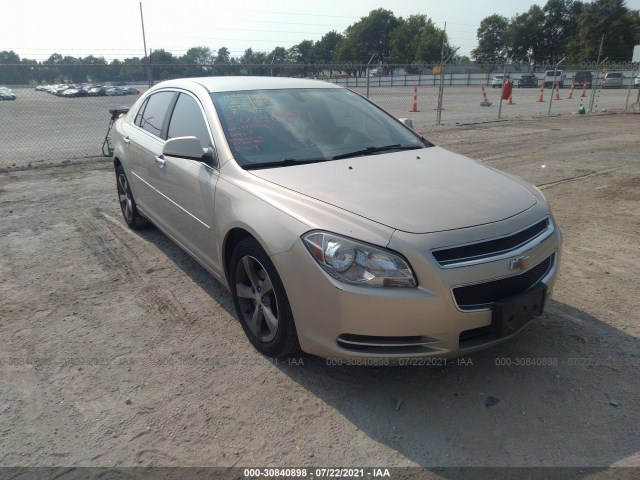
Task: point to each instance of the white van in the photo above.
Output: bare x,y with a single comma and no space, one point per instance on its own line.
548,78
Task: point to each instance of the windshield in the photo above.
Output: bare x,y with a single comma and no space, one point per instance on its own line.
267,128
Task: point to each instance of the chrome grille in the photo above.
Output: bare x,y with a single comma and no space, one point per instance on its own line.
490,248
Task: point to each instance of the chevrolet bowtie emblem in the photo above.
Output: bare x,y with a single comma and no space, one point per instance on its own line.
519,263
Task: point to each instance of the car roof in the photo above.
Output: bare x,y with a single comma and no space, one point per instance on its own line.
230,84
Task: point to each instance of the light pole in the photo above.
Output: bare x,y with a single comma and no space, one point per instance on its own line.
144,42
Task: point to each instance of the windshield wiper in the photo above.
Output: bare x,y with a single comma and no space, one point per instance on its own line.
287,162
372,150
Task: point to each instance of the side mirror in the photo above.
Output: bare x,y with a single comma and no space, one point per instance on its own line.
190,149
407,122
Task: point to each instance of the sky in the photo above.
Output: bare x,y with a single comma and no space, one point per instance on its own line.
37,28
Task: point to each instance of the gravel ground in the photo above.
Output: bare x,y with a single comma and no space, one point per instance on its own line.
116,349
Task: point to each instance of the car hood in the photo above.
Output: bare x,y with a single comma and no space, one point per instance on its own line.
416,191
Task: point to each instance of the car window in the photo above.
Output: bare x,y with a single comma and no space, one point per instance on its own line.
264,126
138,118
187,120
155,112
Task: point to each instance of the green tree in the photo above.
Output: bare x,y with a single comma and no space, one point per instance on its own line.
611,18
370,35
223,56
492,44
197,61
417,39
303,56
163,65
302,53
326,48
253,63
30,71
560,19
92,69
525,36
275,61
9,73
132,69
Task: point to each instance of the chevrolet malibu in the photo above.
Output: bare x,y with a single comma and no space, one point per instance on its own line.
337,229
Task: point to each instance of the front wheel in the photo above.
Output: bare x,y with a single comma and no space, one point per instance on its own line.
261,302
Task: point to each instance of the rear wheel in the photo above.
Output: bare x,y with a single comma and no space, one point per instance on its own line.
261,302
127,203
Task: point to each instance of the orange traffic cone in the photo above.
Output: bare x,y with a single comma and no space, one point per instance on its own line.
485,101
510,102
584,89
573,82
541,97
415,100
558,91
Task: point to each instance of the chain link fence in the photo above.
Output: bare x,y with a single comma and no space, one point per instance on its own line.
64,111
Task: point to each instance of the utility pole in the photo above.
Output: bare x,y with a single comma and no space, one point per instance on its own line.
144,42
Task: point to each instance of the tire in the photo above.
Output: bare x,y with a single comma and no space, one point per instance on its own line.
260,301
127,203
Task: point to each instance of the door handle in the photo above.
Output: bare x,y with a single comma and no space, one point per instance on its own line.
160,161
126,140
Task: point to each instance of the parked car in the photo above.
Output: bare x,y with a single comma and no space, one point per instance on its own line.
58,89
636,82
7,94
528,80
549,76
337,229
114,91
581,77
96,91
73,92
498,80
131,91
611,80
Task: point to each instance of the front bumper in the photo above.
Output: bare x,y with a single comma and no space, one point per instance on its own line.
336,320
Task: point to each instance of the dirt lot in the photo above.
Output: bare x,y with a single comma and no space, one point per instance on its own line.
116,349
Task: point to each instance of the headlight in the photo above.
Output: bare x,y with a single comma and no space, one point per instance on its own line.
358,263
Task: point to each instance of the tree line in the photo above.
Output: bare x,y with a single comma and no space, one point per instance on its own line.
541,35
562,28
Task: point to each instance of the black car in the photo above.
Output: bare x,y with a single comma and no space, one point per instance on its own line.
528,80
580,77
